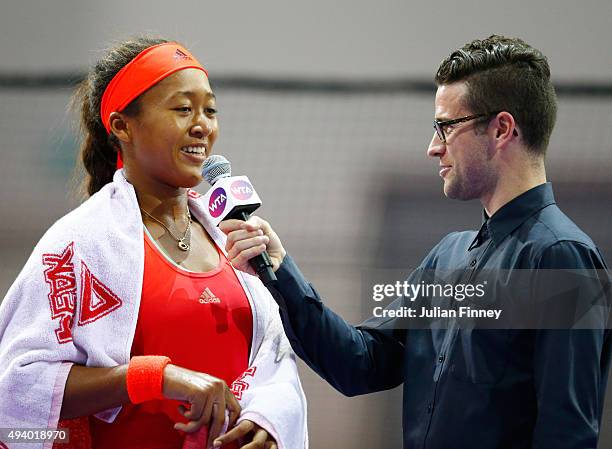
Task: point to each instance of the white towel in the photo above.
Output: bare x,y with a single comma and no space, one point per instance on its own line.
77,299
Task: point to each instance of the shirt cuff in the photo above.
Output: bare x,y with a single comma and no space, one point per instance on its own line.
292,285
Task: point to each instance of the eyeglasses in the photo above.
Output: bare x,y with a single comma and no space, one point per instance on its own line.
440,124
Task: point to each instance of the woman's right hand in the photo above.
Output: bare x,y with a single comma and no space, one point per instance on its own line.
207,395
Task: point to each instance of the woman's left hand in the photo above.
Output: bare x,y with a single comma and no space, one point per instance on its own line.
252,435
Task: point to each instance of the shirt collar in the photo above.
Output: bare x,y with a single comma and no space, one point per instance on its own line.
483,235
514,213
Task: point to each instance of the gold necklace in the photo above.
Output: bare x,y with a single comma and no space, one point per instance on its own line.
184,246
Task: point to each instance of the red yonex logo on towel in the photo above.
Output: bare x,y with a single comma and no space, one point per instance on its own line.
62,290
96,299
239,385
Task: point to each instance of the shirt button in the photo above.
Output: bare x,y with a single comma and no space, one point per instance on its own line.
429,408
441,358
472,263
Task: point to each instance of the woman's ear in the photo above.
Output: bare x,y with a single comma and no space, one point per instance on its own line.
120,127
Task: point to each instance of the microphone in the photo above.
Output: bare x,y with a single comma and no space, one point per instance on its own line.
233,197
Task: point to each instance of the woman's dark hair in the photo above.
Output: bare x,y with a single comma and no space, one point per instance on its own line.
98,151
506,74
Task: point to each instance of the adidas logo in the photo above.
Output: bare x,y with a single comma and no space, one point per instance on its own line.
178,54
208,297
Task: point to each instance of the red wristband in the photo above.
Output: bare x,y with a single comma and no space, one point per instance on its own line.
145,376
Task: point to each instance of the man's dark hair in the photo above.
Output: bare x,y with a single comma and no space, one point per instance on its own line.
506,74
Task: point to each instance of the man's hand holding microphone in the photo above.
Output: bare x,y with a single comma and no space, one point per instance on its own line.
248,239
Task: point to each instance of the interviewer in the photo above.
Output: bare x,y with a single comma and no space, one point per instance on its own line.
495,109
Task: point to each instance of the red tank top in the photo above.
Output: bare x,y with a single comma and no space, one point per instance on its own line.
202,321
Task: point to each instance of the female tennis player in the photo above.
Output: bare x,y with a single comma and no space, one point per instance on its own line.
128,313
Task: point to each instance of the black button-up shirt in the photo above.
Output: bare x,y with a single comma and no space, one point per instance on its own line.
467,388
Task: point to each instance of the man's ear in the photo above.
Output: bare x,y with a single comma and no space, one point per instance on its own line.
120,127
505,129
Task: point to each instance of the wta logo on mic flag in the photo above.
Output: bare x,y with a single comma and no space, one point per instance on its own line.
242,190
217,202
230,194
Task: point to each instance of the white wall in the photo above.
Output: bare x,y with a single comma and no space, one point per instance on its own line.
355,38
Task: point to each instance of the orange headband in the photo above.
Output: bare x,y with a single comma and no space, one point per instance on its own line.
148,68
